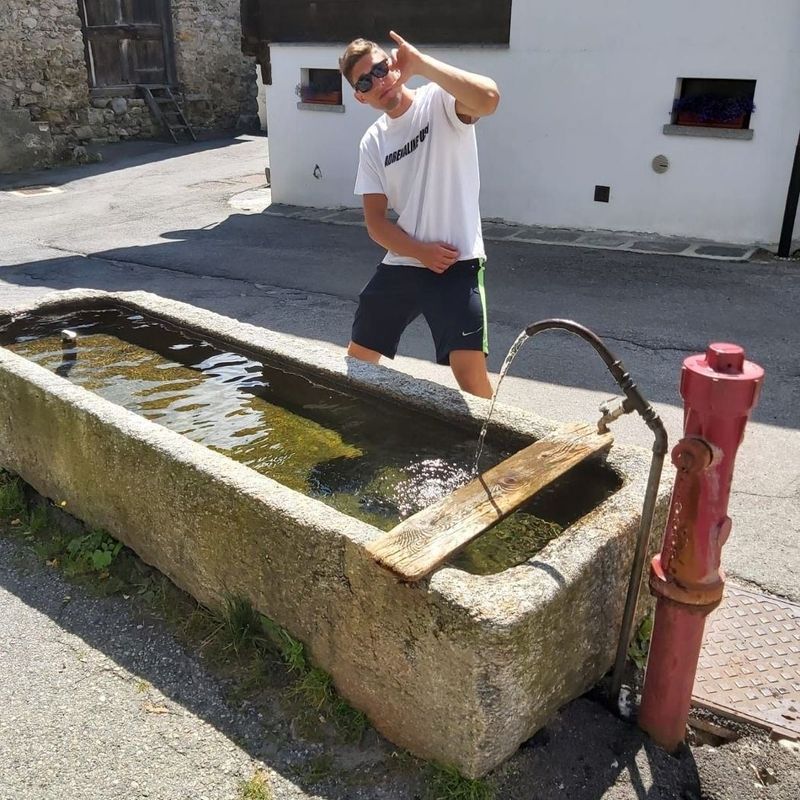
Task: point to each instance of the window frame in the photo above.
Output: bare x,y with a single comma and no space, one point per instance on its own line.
320,87
708,95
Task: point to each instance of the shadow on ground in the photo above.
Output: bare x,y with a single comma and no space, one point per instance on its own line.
303,278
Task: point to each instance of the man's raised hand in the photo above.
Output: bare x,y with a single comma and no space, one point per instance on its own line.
405,57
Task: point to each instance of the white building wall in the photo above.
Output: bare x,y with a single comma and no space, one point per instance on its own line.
586,90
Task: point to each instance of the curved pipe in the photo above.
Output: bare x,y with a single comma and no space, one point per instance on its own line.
634,401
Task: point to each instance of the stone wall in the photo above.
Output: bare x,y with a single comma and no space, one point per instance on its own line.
218,81
44,93
48,113
112,119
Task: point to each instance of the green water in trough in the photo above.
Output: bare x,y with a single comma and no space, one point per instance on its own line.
367,458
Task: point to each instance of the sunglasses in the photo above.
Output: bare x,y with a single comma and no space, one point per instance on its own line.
379,70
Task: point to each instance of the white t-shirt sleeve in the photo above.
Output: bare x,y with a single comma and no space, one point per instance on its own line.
368,178
449,103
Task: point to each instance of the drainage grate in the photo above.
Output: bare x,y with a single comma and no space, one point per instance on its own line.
34,191
749,667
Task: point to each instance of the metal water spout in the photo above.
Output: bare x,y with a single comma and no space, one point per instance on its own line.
633,401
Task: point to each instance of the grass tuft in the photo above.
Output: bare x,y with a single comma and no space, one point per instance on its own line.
640,646
38,520
316,688
93,552
241,623
316,769
257,788
290,650
12,499
447,783
350,722
313,685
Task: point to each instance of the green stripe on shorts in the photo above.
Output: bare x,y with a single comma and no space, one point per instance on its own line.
482,293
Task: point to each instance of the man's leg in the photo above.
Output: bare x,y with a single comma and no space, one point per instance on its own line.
469,369
455,308
386,307
363,353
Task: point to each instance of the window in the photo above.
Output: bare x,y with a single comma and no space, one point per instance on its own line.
128,42
321,86
714,103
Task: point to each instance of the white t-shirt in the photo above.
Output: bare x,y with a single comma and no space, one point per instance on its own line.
426,163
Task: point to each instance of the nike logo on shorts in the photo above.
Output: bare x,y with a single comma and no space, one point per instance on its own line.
470,333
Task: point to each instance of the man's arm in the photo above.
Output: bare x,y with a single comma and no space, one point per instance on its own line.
436,256
476,95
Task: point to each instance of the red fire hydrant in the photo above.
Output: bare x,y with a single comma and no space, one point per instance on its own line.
719,391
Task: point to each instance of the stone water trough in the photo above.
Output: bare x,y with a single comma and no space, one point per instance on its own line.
458,668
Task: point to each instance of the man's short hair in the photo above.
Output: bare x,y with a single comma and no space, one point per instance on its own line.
354,52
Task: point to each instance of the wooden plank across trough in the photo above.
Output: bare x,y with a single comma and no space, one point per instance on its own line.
425,540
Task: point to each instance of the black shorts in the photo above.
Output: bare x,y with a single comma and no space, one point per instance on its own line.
453,303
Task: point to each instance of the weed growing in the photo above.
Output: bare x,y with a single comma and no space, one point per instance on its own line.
290,650
447,783
350,722
640,646
247,629
257,788
241,622
12,498
316,769
38,520
92,552
316,688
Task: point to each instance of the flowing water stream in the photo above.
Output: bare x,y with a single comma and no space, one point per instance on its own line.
515,348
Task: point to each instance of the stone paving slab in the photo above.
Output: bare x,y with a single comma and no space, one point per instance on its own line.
348,217
604,241
659,246
724,251
555,236
497,230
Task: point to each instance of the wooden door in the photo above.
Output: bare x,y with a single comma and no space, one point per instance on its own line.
128,42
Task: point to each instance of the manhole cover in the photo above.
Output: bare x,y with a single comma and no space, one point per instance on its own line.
749,666
34,191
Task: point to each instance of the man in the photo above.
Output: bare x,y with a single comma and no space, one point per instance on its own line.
421,159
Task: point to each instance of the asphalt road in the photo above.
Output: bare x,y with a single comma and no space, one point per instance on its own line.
160,218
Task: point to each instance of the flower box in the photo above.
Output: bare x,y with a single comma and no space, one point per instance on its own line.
308,95
713,111
693,118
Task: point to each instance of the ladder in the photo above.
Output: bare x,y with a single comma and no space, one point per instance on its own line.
166,110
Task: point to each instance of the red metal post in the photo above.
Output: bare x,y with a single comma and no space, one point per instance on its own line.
719,390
